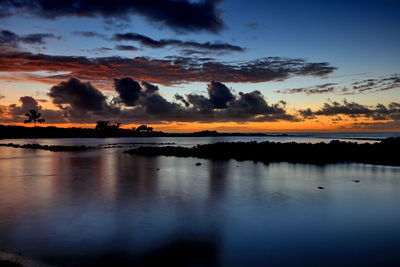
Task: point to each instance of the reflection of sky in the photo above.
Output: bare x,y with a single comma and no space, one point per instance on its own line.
87,205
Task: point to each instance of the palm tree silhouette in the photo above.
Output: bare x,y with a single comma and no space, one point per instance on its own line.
34,116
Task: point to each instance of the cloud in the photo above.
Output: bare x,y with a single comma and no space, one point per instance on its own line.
37,38
90,34
167,71
80,102
222,105
149,42
219,95
99,50
180,98
78,95
149,88
16,113
9,39
317,89
128,90
183,15
358,87
378,112
142,102
126,48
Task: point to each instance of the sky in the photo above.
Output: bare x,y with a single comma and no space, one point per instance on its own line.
186,65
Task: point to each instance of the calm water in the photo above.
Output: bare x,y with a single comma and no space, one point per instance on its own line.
101,207
191,141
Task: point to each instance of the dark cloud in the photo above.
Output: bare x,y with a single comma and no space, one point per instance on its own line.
358,87
16,113
2,96
168,71
182,15
78,95
149,88
223,105
317,89
149,42
37,38
180,98
126,48
219,95
128,90
355,110
10,40
81,102
28,103
199,102
155,104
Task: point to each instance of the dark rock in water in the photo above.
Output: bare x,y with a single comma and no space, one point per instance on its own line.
158,169
237,166
198,164
356,181
321,187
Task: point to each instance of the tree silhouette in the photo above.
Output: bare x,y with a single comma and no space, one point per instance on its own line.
107,126
34,116
102,125
144,128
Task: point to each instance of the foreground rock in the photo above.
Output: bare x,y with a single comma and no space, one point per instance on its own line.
383,153
49,147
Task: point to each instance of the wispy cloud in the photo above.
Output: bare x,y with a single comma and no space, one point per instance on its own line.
167,71
162,43
358,87
10,40
378,112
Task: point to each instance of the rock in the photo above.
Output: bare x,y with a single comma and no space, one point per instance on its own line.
321,187
198,164
356,181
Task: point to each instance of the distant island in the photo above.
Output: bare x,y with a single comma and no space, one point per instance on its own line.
384,152
104,129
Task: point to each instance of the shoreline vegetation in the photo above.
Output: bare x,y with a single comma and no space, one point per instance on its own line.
384,152
21,132
62,148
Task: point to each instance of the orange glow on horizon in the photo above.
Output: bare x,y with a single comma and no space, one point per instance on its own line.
322,125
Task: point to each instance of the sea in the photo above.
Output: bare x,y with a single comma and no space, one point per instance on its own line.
103,207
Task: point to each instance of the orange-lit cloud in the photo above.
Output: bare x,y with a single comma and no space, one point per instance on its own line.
168,71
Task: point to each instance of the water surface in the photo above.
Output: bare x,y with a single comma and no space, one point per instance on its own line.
103,206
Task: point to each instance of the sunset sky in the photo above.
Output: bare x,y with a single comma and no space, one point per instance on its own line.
186,65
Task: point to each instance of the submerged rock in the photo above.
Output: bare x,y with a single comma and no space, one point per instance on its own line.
198,164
